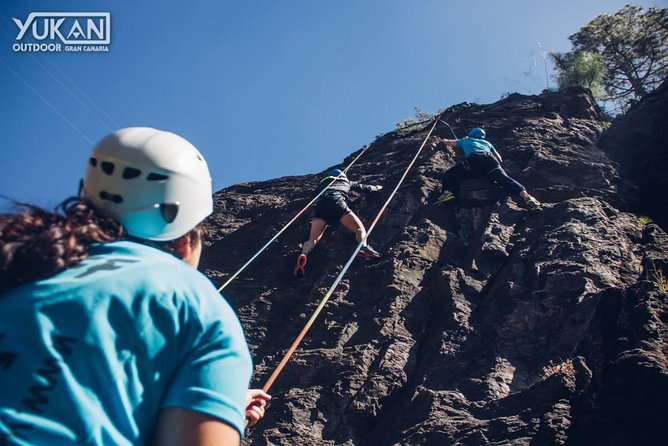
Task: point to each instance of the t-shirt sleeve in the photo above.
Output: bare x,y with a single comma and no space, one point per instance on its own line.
215,371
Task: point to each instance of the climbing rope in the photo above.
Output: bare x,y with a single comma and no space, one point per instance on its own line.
451,131
287,225
324,300
95,114
53,107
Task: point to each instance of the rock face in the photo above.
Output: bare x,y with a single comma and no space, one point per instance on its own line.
484,322
638,140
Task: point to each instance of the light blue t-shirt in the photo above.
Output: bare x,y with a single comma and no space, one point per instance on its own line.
91,355
472,145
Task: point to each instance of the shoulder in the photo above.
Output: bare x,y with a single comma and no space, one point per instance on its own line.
486,144
130,266
131,261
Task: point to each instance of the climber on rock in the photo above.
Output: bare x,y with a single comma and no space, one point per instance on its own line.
330,209
480,160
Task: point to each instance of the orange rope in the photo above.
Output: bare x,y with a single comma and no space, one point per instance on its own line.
324,300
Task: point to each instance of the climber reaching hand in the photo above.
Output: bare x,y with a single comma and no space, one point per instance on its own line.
330,209
480,160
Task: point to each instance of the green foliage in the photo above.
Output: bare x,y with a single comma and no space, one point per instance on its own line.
659,277
581,68
405,124
421,115
410,124
643,221
633,47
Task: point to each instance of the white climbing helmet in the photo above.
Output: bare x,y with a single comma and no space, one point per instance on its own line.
155,183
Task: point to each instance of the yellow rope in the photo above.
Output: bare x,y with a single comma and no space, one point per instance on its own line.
324,300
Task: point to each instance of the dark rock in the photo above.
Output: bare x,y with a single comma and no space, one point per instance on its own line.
638,140
484,323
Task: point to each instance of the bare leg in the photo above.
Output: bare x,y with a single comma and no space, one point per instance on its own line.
317,230
354,224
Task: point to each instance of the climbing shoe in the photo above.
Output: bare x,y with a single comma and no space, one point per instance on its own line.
531,202
368,252
299,266
445,198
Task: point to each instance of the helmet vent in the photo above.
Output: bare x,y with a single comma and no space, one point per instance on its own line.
156,177
111,197
107,167
130,173
93,161
169,211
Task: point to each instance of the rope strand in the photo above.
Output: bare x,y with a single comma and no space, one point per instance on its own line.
451,131
66,88
53,107
287,225
338,279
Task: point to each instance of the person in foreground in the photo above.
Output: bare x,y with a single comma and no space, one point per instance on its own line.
331,209
108,333
480,160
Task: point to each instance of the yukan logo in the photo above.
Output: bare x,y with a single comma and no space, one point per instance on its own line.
63,31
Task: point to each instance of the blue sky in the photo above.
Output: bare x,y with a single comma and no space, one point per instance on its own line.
264,88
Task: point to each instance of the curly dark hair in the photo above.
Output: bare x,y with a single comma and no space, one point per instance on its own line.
37,243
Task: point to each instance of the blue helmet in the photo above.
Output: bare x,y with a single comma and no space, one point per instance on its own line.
477,133
336,173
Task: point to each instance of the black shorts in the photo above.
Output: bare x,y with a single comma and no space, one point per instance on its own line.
331,208
482,163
